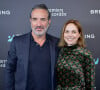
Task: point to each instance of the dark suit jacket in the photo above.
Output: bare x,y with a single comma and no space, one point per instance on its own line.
17,64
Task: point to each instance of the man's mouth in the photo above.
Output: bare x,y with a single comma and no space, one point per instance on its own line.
39,27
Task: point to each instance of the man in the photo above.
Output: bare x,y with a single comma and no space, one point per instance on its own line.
32,57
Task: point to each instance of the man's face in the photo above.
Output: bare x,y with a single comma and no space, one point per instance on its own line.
39,22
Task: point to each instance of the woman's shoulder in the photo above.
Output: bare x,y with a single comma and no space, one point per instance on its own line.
83,51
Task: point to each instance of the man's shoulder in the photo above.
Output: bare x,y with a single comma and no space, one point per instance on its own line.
22,36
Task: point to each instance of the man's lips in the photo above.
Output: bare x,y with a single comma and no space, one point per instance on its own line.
39,29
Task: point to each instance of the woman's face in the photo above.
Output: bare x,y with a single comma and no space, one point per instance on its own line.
71,34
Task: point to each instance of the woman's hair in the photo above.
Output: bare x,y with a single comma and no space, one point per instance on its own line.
80,42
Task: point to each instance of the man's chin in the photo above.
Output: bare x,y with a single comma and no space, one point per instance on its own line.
39,34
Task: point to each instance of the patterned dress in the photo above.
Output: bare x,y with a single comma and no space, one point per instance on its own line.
75,69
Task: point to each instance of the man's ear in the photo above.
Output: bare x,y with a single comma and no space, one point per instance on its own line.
30,20
49,21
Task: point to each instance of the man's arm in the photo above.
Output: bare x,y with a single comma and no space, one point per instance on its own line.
11,67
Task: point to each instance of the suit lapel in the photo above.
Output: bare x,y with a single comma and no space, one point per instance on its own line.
52,53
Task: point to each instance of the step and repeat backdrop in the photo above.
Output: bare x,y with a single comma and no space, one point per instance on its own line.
14,20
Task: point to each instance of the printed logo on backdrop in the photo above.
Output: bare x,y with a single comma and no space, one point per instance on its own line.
3,63
96,60
90,36
95,12
10,38
5,12
57,12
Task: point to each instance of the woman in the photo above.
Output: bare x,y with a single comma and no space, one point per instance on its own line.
75,65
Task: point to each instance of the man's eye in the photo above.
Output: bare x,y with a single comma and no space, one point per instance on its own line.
34,19
43,19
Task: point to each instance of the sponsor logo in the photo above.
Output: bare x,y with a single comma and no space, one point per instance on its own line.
57,12
90,36
3,63
5,12
96,61
10,38
95,12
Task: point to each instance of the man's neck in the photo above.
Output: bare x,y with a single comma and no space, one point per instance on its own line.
39,39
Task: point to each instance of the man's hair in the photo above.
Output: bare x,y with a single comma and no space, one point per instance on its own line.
41,6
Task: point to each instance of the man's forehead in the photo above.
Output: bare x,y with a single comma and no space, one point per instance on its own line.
39,10
39,13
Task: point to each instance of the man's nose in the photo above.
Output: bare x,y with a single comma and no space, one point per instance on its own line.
39,23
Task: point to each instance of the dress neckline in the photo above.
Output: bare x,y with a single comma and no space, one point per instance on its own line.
71,47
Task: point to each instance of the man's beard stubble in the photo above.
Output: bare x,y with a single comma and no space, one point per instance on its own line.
41,33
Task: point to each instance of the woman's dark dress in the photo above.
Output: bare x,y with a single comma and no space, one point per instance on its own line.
75,69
